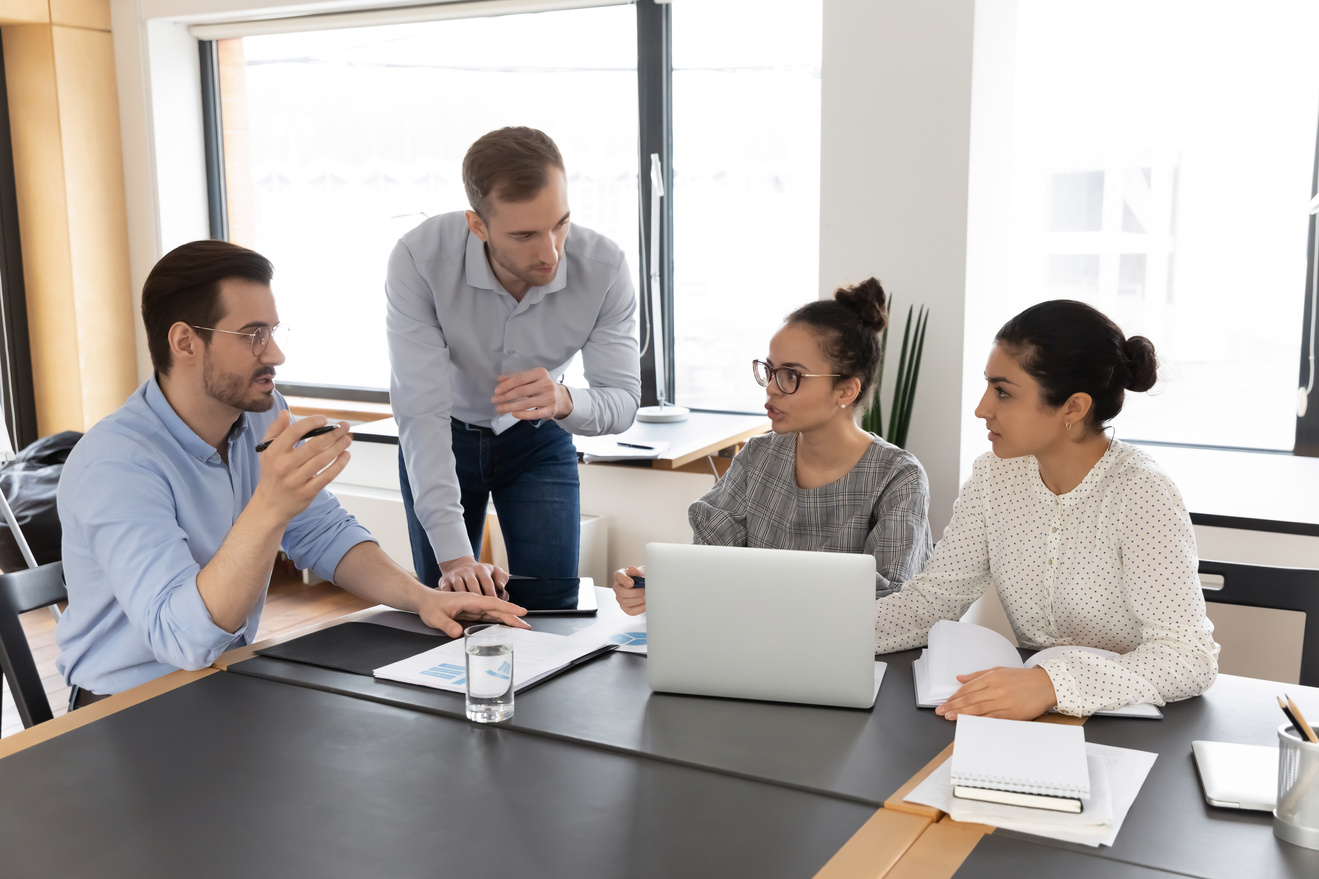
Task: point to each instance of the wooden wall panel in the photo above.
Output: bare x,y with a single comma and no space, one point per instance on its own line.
43,225
93,14
68,169
97,211
27,11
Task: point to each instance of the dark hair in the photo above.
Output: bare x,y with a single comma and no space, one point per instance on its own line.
1073,348
848,327
514,163
185,286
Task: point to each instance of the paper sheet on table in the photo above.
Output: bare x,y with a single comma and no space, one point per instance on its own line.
616,627
1124,769
613,448
536,655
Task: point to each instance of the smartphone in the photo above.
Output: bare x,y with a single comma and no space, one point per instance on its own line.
569,595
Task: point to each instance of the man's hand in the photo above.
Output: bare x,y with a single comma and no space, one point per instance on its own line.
530,395
440,610
292,477
631,599
1010,693
466,574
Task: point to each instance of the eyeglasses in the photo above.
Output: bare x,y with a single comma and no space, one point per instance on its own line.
260,337
787,379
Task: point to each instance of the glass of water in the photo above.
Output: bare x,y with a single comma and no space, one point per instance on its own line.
489,650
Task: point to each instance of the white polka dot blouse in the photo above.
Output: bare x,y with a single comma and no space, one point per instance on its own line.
1110,564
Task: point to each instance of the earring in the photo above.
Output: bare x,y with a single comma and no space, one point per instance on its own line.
842,405
1069,425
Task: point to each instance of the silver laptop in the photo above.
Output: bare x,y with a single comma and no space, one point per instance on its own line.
771,624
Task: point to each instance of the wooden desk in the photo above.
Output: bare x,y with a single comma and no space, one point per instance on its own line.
704,433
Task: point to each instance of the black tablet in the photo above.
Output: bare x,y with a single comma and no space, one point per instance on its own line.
573,596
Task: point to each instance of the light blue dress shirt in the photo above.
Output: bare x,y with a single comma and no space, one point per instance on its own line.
145,503
453,330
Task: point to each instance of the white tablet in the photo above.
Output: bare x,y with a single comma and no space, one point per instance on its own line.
1238,776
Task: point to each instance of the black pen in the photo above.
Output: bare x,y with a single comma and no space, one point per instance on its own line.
635,446
318,431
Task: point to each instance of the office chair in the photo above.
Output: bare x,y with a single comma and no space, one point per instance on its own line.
20,592
1279,588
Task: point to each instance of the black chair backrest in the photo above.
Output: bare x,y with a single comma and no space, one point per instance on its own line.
20,592
1278,588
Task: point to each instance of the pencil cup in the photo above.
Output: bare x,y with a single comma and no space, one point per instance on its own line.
489,651
1296,819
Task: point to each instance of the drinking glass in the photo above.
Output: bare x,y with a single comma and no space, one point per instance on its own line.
489,649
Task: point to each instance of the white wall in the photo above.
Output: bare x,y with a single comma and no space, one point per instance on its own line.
894,164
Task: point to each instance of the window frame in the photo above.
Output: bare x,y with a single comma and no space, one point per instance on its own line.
655,135
19,393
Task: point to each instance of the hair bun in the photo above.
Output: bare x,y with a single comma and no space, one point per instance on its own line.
1144,366
868,301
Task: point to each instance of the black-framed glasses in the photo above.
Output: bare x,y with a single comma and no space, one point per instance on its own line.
788,379
260,337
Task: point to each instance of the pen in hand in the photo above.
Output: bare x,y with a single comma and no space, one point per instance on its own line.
319,431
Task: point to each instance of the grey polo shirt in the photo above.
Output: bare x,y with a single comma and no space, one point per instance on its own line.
453,330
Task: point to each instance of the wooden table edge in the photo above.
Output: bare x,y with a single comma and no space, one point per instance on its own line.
45,731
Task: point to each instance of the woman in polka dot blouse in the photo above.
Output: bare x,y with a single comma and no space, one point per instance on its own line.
1084,538
818,482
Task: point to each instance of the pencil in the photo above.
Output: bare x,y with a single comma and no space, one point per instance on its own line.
1291,718
1301,726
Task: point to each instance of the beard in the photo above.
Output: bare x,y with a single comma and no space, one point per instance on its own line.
236,390
520,272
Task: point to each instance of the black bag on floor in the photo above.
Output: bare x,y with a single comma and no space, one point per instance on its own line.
29,482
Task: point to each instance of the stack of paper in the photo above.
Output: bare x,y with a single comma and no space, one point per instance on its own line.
614,448
536,656
1116,776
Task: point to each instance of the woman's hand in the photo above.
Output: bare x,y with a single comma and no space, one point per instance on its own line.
1010,693
632,600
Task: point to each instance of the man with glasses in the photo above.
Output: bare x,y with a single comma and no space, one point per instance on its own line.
486,309
174,506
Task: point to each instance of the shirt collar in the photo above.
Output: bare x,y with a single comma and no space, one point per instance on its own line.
1085,486
481,276
185,436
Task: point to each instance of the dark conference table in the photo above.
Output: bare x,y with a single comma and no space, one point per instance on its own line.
280,768
865,756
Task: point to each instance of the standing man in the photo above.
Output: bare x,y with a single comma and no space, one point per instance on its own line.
172,513
486,309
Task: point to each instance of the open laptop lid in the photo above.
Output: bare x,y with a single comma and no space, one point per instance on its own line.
777,625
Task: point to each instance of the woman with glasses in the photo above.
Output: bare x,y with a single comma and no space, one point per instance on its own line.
818,482
1084,538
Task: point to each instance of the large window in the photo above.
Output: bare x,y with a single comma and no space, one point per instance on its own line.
339,141
336,142
1154,159
746,164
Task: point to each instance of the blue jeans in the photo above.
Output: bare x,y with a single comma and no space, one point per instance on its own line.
531,471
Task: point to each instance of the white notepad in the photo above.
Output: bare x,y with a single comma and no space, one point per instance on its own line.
958,648
1017,757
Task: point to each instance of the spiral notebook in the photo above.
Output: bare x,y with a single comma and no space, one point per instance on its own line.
1021,763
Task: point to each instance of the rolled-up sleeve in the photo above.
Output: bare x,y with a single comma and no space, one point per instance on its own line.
421,394
126,512
318,538
612,365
